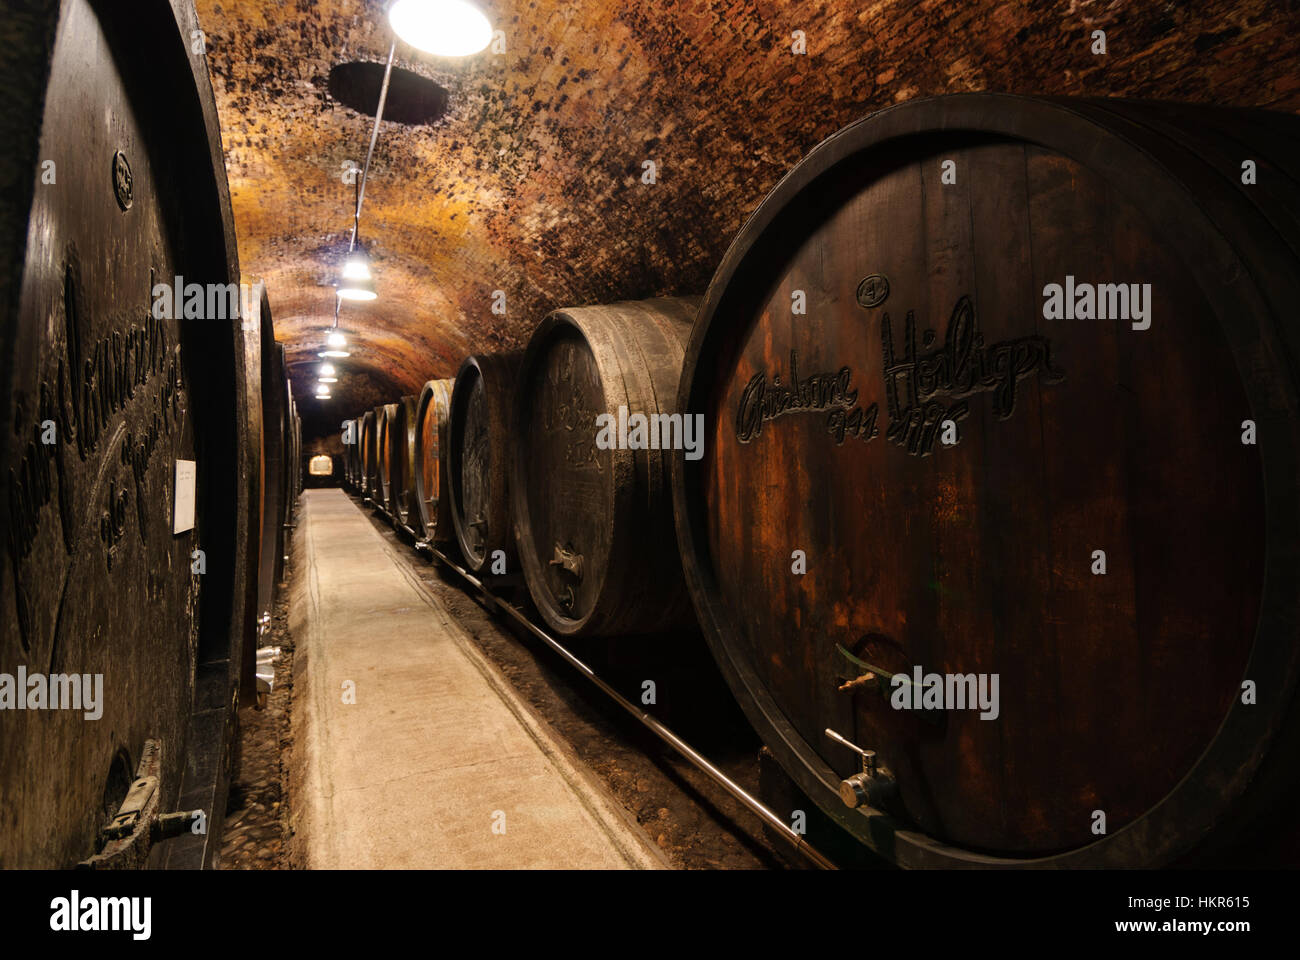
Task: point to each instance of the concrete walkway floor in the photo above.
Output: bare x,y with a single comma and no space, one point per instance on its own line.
410,749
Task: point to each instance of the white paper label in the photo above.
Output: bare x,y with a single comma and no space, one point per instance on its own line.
183,516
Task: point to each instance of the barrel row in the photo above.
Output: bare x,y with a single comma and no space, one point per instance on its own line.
991,396
503,464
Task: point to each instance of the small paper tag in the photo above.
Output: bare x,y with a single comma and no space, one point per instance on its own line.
183,515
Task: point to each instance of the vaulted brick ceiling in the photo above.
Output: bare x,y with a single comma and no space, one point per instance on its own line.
532,181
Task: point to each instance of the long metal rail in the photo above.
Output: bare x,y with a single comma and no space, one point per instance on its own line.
702,763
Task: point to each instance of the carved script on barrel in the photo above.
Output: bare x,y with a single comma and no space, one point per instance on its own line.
762,401
568,410
84,393
924,388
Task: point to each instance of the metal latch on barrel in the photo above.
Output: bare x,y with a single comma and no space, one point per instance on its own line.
137,825
569,562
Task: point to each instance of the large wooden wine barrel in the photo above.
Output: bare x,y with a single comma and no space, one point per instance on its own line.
353,454
271,530
292,478
385,418
265,386
344,427
252,436
480,436
358,455
369,465
113,398
594,518
402,463
1094,503
295,448
349,428
281,411
433,505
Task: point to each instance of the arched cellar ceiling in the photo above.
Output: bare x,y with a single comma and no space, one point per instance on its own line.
531,182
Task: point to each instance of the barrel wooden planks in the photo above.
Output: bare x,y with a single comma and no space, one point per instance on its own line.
402,463
350,433
104,397
433,505
385,417
292,477
280,409
274,464
265,387
926,312
354,454
295,446
344,427
358,455
251,435
594,520
367,454
480,437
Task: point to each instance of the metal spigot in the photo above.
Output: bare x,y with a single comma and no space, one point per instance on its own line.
854,789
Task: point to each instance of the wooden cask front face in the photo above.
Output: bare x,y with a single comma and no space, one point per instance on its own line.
292,450
402,442
431,500
596,539
480,438
367,453
271,388
111,386
258,337
358,453
925,308
385,415
351,451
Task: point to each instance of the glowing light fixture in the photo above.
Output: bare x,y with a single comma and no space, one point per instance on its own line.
328,380
445,28
357,283
334,345
323,391
356,267
327,370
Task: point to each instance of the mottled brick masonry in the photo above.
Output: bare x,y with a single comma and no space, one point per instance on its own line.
531,184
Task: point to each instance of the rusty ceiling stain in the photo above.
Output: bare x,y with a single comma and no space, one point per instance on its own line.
532,182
